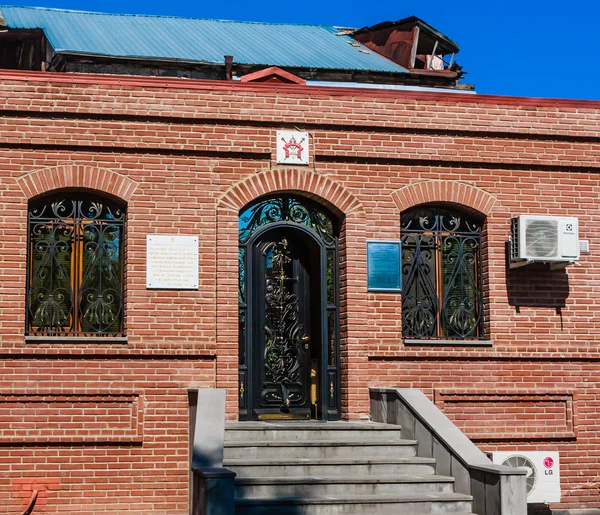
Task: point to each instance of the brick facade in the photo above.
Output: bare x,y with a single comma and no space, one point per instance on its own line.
102,427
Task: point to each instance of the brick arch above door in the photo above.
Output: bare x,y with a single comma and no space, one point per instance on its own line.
305,182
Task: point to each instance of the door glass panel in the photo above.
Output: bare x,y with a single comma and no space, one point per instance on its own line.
242,335
330,277
242,275
269,259
331,339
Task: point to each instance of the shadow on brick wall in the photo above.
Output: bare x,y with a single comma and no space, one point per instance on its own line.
536,285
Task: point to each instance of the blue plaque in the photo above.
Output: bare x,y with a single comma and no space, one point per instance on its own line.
384,266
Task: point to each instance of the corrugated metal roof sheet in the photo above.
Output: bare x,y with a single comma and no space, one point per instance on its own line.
196,39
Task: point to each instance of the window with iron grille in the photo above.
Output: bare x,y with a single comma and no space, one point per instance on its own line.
75,266
441,274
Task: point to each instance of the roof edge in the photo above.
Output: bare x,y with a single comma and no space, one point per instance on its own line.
175,60
213,85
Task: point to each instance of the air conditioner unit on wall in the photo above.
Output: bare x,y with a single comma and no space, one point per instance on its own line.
543,472
551,239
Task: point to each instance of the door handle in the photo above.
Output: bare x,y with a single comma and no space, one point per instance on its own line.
305,339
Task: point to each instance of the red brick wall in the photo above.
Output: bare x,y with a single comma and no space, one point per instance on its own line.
186,156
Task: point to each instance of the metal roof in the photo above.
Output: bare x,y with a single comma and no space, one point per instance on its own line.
197,39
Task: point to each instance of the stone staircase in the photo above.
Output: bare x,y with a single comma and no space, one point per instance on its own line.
334,468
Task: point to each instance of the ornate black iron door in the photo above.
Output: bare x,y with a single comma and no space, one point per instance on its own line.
282,327
289,354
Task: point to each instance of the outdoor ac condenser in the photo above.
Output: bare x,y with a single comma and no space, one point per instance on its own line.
552,239
543,472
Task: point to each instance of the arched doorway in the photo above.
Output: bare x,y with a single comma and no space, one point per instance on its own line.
288,310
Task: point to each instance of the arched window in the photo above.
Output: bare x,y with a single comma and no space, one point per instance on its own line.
442,274
75,266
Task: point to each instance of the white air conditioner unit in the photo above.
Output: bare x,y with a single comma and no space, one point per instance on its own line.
543,472
551,239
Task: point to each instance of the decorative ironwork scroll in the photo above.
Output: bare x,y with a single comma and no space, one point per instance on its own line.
75,267
283,353
286,209
441,271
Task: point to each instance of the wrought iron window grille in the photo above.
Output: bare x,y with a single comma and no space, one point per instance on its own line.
75,267
442,294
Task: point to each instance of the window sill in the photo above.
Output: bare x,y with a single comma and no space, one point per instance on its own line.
449,343
76,339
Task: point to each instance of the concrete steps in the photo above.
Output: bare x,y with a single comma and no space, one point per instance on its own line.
269,449
285,467
357,505
310,430
336,468
256,487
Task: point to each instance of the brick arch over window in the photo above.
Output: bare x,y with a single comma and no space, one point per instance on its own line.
77,176
342,202
444,191
310,184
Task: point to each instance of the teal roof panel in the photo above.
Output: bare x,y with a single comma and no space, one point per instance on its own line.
197,39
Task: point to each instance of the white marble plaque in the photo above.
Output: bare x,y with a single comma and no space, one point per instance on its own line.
172,262
292,148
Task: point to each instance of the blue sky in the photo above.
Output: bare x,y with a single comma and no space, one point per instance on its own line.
530,48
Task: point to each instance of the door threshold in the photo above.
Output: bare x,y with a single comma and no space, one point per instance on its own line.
282,416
